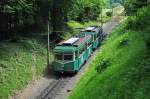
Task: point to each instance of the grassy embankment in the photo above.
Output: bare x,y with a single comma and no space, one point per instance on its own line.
121,69
20,63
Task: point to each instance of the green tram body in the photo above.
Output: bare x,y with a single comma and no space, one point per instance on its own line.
95,32
70,56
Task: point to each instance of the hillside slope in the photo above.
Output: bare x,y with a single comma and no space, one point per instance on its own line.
20,63
121,70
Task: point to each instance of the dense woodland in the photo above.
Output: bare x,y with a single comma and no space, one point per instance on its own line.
23,16
19,17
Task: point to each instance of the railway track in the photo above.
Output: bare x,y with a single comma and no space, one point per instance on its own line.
53,89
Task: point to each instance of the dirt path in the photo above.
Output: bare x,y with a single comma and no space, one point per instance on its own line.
34,89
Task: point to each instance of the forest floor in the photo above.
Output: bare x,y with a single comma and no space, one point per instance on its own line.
34,89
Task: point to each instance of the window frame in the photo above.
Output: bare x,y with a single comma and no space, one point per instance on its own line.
56,58
63,56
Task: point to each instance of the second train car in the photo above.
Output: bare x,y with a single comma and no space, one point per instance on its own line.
95,32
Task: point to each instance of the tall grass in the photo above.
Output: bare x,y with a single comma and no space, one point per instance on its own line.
126,74
16,64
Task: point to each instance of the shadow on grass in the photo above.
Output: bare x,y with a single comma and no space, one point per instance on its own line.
49,73
7,50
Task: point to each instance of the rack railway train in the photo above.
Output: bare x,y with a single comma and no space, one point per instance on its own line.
71,54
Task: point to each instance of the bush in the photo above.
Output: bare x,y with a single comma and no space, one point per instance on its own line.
109,14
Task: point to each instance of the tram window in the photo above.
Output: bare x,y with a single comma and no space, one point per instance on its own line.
76,54
80,51
68,57
89,43
95,36
83,49
88,30
98,34
59,56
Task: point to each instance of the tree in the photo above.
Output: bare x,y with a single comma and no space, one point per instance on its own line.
131,6
23,16
60,15
16,11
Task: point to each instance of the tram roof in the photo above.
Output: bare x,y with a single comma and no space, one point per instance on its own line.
78,43
71,41
91,29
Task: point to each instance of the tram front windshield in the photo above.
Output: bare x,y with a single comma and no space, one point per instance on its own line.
64,56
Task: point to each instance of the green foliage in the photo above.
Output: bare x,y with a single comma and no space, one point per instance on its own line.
102,65
19,62
127,74
74,24
75,27
109,14
22,16
64,11
90,10
132,6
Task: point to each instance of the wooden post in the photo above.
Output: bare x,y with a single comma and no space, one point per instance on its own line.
48,30
101,17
